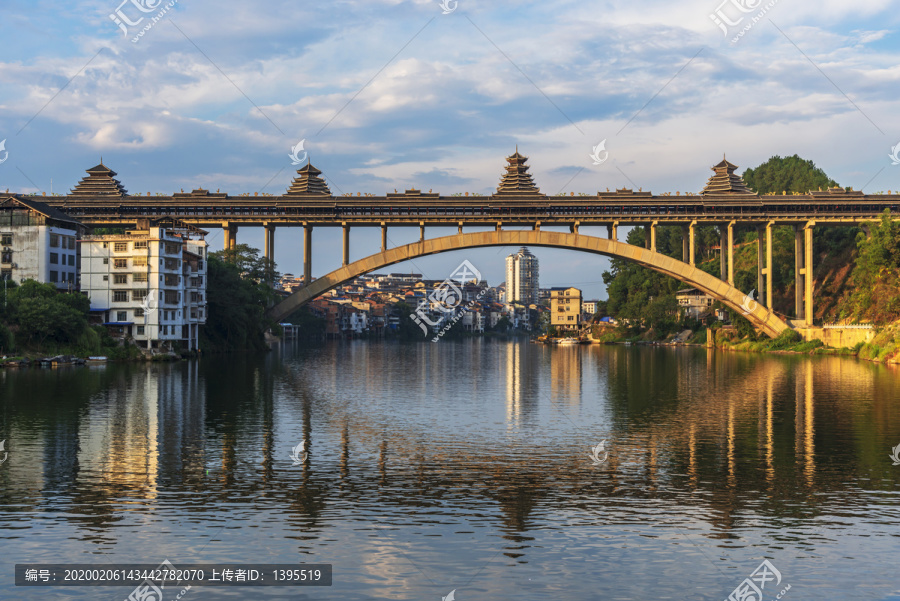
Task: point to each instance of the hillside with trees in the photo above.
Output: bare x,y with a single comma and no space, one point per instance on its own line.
645,298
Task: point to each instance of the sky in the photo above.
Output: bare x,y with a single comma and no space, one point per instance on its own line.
396,94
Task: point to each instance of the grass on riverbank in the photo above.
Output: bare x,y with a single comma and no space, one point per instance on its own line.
884,348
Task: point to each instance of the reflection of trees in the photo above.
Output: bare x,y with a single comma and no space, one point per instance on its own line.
751,434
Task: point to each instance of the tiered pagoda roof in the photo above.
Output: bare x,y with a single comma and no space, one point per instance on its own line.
308,183
725,181
101,181
517,180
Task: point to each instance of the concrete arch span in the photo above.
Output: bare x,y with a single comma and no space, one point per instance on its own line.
761,318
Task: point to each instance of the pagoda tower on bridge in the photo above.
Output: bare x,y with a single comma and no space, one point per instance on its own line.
726,181
517,181
308,183
101,181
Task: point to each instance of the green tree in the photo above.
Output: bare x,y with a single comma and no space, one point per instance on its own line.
237,300
789,174
43,314
503,324
876,275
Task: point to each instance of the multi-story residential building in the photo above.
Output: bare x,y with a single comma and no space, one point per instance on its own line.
522,278
565,308
38,242
589,306
695,304
149,284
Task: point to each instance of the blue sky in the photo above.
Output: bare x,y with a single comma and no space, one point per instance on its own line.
395,94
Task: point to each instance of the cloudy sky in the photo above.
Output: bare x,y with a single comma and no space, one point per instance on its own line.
393,94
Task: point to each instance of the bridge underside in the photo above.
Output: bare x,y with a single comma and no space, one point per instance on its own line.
761,317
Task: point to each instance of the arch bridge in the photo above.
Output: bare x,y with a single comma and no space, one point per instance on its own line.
726,202
761,317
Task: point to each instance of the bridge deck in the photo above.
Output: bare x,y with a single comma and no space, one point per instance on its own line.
396,210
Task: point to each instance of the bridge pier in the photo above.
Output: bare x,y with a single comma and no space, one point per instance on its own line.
269,252
612,231
229,234
383,236
460,227
769,264
692,244
723,263
798,272
573,229
808,271
307,254
269,245
760,262
421,231
730,230
346,259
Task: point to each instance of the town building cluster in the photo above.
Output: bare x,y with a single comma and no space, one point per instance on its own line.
146,285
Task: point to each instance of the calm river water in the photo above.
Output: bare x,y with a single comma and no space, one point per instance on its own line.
466,467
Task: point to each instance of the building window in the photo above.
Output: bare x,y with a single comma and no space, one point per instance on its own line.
139,261
6,257
54,276
71,243
71,278
120,278
71,260
120,296
54,258
139,244
105,261
140,277
120,263
139,312
6,274
140,330
121,316
201,265
106,278
54,240
138,295
120,247
172,249
5,239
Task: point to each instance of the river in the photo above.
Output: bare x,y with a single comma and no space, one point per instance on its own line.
463,467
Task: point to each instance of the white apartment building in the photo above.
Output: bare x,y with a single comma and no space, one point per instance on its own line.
149,284
38,242
522,275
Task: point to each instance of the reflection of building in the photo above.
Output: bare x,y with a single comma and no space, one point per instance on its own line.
149,283
565,308
694,303
38,242
522,278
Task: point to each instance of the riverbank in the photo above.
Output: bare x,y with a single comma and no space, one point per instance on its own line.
884,347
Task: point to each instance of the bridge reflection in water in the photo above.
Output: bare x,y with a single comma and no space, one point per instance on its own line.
727,447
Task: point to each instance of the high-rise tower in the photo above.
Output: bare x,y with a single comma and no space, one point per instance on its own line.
522,281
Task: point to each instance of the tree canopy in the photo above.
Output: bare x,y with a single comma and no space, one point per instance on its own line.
789,174
238,295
